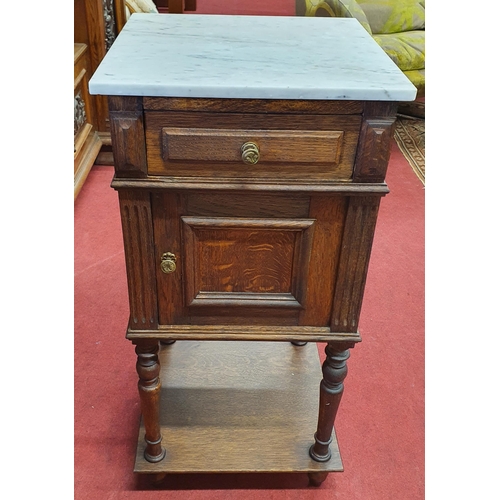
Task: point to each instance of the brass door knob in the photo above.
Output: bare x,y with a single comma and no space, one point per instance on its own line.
250,153
168,262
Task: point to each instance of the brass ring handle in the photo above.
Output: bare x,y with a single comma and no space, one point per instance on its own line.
168,262
250,153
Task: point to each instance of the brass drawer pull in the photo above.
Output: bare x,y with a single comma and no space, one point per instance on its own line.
250,153
168,262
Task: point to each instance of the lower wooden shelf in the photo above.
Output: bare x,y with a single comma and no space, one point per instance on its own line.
238,406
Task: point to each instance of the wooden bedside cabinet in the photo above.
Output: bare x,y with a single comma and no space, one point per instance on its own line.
248,201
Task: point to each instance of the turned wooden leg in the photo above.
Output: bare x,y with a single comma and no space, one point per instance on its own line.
157,479
331,388
316,478
148,369
298,342
167,342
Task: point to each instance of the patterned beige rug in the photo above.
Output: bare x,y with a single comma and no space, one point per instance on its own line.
410,137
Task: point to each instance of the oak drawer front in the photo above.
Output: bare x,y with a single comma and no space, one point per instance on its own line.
249,146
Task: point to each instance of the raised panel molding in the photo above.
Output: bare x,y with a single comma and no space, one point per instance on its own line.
129,149
374,151
223,145
240,249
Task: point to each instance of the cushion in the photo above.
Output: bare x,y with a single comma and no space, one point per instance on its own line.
141,6
407,49
394,16
417,77
349,8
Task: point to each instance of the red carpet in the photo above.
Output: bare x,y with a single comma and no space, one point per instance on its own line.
380,426
246,7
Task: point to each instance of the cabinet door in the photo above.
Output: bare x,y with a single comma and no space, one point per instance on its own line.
259,258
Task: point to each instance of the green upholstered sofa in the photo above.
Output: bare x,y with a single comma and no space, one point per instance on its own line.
398,26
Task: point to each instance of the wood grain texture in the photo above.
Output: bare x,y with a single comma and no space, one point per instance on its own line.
236,407
89,29
253,106
331,389
85,160
149,386
329,213
248,331
82,72
271,253
80,139
232,316
353,265
167,210
374,149
342,132
254,205
86,141
222,145
253,185
257,270
247,262
127,129
215,260
137,227
120,15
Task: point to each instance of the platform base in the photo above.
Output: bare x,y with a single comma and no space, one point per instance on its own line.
238,407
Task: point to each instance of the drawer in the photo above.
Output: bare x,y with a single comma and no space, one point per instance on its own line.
237,145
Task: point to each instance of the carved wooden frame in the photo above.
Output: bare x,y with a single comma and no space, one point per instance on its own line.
195,297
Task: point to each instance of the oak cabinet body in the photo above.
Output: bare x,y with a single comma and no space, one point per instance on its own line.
216,251
282,244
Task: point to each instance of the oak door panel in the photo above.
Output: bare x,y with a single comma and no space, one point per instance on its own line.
246,262
259,258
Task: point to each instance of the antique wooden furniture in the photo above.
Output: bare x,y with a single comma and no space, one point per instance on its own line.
96,24
250,165
87,142
175,6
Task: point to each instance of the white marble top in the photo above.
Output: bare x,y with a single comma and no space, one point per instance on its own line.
194,55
